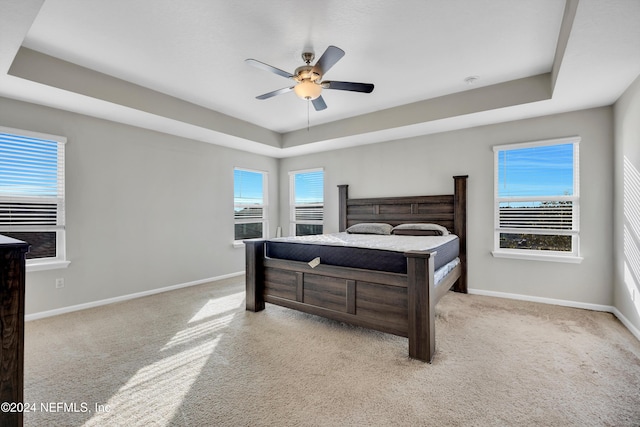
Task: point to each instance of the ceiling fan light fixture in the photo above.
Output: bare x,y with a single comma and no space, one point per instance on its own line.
308,90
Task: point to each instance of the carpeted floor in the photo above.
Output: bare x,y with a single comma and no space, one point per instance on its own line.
194,357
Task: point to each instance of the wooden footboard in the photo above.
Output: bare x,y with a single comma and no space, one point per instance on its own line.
400,304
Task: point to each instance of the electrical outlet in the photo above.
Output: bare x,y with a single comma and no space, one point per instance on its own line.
59,283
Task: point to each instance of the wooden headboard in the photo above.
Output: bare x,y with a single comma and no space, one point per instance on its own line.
448,210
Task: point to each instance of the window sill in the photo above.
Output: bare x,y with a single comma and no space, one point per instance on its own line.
571,259
47,265
239,244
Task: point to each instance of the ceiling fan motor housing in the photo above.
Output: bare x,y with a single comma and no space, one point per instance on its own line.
306,73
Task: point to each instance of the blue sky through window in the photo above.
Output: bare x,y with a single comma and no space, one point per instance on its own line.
247,187
309,187
536,171
28,166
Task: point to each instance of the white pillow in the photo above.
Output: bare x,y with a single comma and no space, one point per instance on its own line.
370,228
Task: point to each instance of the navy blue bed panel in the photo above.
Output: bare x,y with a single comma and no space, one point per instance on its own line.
369,259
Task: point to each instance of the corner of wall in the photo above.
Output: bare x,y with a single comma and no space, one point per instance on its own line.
626,227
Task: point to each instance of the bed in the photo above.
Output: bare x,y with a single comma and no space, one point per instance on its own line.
381,295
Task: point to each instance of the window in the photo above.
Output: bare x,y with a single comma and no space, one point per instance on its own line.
32,201
537,200
249,204
306,201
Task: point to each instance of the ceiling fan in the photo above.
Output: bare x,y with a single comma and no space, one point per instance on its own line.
308,78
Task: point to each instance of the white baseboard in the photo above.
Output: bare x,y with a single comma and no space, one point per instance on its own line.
630,326
565,303
69,309
597,307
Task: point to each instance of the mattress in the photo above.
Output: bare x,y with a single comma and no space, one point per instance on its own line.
371,252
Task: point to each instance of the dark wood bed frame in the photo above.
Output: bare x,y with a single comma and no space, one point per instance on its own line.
400,304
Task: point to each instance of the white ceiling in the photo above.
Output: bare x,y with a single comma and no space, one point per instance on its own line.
178,67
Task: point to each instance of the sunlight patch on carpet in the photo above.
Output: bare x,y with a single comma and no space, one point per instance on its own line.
218,306
171,376
204,330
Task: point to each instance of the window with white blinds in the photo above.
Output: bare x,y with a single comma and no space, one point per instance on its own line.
249,204
32,199
537,198
307,202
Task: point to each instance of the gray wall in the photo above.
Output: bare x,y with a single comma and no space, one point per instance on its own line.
627,205
145,210
425,165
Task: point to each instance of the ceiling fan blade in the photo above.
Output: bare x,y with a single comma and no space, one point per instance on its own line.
328,60
275,92
267,67
319,104
351,86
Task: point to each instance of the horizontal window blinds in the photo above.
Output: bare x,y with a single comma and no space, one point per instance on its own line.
309,196
250,201
537,215
537,196
537,188
309,187
248,194
307,201
31,183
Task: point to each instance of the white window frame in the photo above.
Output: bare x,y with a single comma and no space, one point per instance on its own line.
292,201
264,206
532,254
60,260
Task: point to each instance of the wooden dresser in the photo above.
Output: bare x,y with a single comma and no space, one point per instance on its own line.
12,278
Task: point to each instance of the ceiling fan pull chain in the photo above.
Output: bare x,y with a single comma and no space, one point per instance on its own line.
308,109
